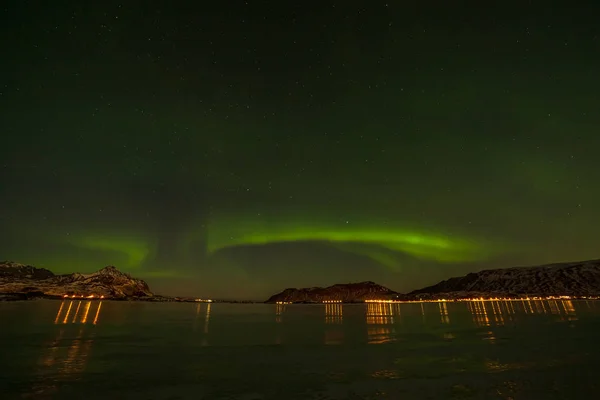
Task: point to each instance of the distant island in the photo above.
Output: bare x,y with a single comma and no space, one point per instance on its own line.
575,280
23,282
342,293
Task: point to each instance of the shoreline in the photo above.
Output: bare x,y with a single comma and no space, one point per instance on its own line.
8,297
11,297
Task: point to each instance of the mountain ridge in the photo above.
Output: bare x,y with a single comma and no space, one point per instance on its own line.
579,278
108,282
342,292
574,279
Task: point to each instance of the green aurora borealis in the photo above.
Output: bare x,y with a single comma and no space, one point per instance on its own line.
233,151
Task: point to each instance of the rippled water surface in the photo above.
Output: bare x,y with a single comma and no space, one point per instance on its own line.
476,350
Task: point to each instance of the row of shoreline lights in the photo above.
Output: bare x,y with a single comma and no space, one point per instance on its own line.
323,302
93,296
484,299
459,300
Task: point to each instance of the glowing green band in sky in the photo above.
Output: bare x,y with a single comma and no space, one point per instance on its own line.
366,240
133,250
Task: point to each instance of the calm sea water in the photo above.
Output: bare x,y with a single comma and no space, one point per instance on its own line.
116,350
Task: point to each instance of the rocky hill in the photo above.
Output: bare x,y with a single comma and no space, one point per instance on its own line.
565,279
349,292
19,279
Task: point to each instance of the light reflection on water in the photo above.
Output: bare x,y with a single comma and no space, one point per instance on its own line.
69,312
77,339
66,356
334,334
380,322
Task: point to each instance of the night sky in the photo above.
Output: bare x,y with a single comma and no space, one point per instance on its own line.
232,149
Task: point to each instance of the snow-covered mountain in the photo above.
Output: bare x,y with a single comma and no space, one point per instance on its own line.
564,279
108,282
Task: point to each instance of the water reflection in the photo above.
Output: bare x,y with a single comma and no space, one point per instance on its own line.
569,310
206,323
561,308
333,313
380,313
207,318
279,310
198,317
554,307
68,354
479,313
64,354
334,333
78,353
488,313
380,320
498,312
444,313
78,312
65,358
